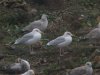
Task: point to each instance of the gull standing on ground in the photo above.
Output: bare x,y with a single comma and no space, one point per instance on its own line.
30,38
29,72
19,67
40,24
61,41
83,70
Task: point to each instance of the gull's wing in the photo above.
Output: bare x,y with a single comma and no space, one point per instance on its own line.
24,38
95,33
56,41
15,66
32,25
78,71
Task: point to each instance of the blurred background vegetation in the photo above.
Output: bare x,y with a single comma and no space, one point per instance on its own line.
76,16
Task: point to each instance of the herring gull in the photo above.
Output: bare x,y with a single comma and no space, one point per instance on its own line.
19,67
61,41
29,72
30,38
40,24
83,70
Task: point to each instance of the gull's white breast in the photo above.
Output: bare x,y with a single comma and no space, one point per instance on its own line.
67,41
36,38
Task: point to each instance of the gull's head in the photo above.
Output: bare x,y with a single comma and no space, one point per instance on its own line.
19,60
31,72
68,33
25,63
37,30
88,64
44,16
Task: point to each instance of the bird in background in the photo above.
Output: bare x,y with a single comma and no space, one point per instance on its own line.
40,24
29,72
61,41
83,70
19,67
29,39
94,34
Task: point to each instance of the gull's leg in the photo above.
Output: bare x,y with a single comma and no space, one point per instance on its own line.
31,50
60,58
61,52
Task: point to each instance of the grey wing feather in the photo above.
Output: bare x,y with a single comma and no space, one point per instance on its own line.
57,41
78,71
31,26
15,66
94,33
24,39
